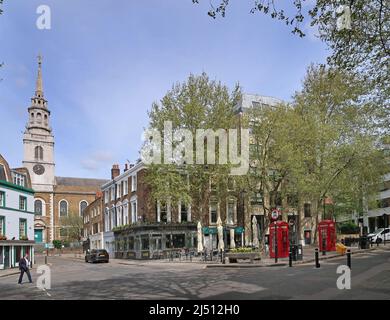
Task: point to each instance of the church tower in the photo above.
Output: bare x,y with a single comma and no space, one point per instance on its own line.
38,140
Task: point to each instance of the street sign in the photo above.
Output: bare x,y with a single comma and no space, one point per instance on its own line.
275,214
291,222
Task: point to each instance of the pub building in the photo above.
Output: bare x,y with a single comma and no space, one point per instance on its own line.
137,227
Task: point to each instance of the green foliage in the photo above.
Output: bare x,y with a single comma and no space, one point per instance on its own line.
198,103
364,48
57,244
241,250
348,228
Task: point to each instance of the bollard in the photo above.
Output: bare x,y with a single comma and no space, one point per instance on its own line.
317,258
45,259
349,258
290,259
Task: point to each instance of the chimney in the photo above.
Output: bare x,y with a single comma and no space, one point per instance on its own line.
115,171
126,167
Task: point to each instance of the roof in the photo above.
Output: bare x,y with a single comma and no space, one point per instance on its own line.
79,182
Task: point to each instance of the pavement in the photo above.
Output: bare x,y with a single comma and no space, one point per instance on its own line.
73,279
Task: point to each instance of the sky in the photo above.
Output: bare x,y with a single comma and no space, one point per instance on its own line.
105,62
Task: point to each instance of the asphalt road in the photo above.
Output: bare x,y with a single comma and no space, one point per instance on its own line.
74,279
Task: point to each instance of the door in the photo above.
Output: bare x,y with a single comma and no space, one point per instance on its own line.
307,235
6,257
38,236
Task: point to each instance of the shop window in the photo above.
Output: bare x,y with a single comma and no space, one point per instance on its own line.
145,242
179,240
131,243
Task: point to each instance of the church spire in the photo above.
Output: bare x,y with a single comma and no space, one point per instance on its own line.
39,86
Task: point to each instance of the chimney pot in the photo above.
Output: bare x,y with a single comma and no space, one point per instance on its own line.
115,171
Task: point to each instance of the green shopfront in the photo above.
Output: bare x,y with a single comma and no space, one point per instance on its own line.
154,241
210,237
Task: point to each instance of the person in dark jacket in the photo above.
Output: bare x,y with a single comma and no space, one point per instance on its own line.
24,264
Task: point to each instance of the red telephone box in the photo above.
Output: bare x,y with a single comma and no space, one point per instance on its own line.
278,231
327,235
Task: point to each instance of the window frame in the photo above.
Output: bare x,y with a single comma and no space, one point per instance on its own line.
2,232
59,208
2,199
25,203
25,227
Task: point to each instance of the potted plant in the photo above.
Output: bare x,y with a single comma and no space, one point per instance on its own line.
2,237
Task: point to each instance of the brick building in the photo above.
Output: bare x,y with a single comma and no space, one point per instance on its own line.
93,219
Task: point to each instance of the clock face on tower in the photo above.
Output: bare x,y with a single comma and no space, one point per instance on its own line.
39,169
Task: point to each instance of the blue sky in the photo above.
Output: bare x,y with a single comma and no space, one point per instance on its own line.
106,62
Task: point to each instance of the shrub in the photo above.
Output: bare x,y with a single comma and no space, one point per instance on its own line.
57,244
348,228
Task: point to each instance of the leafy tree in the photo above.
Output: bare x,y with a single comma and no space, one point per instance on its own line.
198,103
363,48
336,151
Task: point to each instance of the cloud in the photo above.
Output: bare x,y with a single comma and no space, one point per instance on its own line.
96,160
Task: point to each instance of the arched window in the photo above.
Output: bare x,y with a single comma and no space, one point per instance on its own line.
38,207
83,205
63,208
39,117
38,153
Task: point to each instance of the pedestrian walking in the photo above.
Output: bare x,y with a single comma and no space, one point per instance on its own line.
24,265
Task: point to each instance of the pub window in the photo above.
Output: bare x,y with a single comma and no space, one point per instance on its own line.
183,213
307,210
145,242
213,211
231,205
163,212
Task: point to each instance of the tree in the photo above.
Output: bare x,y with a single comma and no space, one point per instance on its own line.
74,225
336,151
198,103
362,48
322,146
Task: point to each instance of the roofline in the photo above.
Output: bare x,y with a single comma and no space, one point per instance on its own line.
138,166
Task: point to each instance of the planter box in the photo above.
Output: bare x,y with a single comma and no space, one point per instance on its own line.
233,257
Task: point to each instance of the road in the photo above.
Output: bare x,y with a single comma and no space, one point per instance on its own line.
74,279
